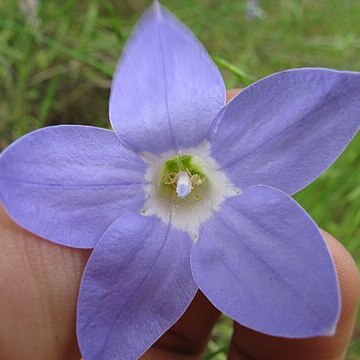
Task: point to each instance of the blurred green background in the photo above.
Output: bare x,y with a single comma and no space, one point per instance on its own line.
57,58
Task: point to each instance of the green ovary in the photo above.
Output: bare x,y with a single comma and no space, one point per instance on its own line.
169,175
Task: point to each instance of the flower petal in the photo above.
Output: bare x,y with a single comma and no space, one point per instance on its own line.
286,129
262,261
69,183
166,90
136,285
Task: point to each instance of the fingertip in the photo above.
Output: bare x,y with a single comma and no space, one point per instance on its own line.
346,267
231,93
349,282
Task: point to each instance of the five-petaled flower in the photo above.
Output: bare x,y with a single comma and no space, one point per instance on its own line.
189,193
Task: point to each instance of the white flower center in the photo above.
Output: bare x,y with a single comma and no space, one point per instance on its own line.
185,188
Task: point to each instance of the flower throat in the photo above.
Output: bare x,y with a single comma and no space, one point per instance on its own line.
181,179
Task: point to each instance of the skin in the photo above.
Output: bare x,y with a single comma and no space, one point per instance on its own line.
39,282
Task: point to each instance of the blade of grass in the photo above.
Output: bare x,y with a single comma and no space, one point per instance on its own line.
243,77
75,54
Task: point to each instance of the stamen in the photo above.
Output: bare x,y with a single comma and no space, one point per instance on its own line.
183,185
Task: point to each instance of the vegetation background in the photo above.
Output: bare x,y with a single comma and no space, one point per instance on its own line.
57,59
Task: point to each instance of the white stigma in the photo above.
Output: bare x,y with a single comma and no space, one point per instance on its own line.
183,185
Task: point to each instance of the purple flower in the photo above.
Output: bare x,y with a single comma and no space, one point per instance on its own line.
189,193
253,10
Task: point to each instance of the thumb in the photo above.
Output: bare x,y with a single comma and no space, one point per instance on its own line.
39,282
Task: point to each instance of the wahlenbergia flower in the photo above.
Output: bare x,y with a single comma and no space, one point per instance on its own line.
189,193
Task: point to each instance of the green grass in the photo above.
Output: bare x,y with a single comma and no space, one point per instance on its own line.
58,70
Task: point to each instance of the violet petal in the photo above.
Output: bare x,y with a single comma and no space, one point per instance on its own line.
263,262
136,285
166,90
286,129
69,183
